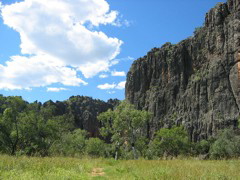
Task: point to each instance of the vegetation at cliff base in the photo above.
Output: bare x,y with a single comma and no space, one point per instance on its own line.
121,132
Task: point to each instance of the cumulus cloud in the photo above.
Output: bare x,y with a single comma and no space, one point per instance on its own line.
118,73
105,86
54,89
26,72
57,31
92,69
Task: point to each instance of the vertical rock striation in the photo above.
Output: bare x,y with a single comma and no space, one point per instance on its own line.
196,82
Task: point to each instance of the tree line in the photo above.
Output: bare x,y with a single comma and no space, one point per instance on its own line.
34,129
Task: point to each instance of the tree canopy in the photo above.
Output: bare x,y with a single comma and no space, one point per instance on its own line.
126,126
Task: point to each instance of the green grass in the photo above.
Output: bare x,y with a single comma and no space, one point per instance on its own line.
73,168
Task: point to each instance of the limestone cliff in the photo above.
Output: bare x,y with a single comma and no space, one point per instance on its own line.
195,82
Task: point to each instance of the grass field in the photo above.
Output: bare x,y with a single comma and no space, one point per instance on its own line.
73,168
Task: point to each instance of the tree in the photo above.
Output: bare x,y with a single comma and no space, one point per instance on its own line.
9,124
30,129
70,143
169,142
39,132
9,134
125,125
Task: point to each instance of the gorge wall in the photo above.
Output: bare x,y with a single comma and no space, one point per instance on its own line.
196,82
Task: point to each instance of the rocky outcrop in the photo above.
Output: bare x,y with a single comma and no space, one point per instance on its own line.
196,82
79,111
84,110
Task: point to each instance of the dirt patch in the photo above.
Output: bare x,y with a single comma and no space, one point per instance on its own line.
97,172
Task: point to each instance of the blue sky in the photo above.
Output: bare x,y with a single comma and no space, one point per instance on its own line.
56,49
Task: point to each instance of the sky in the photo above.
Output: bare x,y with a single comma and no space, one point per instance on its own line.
54,49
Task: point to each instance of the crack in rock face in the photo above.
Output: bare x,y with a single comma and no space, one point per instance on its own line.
238,64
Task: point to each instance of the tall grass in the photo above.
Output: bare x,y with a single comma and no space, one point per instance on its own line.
87,168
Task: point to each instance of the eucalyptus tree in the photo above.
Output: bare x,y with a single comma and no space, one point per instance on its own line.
9,124
126,126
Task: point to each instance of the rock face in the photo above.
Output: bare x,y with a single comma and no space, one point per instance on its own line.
196,82
84,111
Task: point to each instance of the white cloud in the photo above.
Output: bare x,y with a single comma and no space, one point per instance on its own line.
92,69
111,92
118,73
120,86
122,22
53,89
55,34
103,76
116,61
107,86
130,58
24,73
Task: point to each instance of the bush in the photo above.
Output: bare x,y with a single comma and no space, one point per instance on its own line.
226,146
202,147
169,142
70,144
96,147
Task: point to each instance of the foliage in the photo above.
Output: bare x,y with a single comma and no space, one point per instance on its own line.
126,126
9,124
70,144
29,128
226,146
202,147
169,142
96,147
36,129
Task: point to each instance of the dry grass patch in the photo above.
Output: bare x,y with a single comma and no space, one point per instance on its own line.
97,172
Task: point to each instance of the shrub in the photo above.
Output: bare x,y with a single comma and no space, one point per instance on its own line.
202,147
70,144
169,142
96,147
226,146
